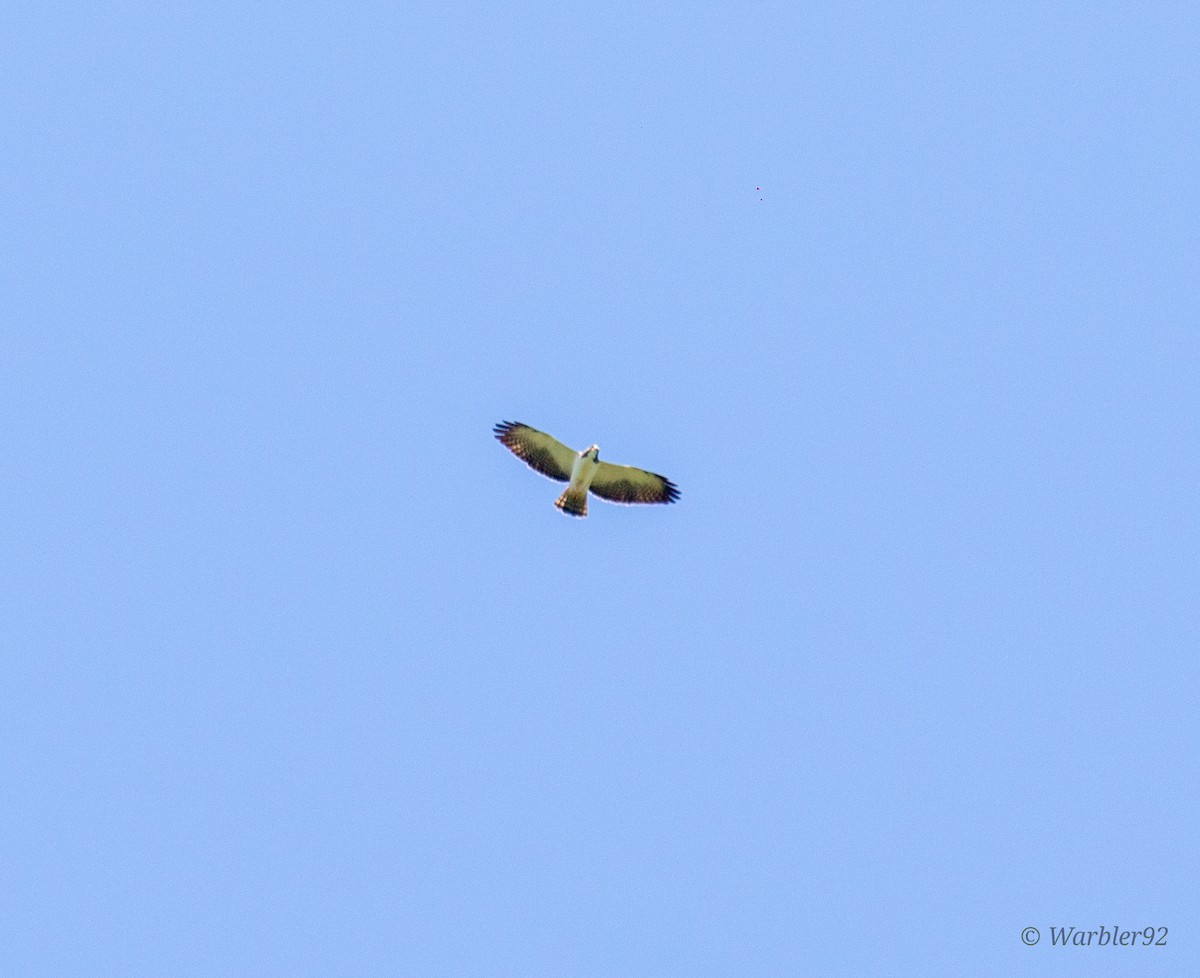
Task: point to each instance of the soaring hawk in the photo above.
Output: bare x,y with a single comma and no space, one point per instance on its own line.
583,471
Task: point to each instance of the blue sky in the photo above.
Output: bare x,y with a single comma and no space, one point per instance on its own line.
305,674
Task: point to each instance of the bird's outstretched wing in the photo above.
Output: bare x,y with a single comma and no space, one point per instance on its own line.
536,449
625,484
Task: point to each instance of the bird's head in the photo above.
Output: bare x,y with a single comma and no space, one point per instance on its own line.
593,451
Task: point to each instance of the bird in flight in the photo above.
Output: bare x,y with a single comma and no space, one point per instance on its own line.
583,471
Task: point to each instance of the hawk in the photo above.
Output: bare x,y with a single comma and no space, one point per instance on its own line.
583,471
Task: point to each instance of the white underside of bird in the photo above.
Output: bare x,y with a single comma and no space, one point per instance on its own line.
574,497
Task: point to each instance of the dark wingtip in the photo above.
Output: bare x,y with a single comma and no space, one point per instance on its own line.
672,489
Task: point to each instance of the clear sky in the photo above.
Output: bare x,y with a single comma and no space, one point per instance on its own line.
304,674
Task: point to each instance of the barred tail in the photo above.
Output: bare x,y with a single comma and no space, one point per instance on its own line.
573,502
